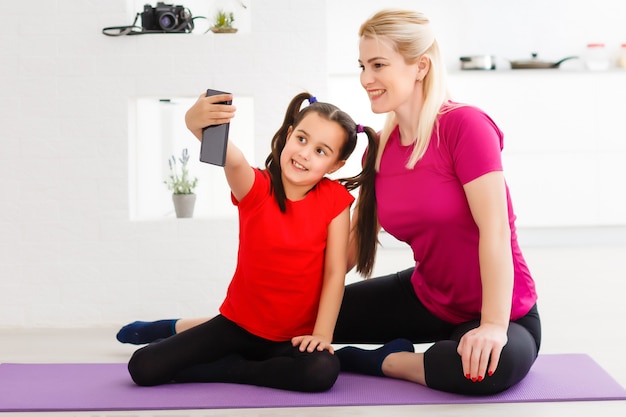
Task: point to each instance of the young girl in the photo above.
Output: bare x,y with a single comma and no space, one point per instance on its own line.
276,324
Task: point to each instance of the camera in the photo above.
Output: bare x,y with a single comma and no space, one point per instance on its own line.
166,18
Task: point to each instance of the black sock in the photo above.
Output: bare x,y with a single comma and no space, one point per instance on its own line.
142,332
370,361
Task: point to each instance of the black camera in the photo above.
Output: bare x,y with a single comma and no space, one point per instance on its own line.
166,18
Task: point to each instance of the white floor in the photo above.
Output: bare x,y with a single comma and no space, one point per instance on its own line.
583,306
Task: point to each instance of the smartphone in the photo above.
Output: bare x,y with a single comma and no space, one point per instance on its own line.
215,138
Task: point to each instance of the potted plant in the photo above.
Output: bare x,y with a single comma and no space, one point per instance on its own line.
223,22
181,185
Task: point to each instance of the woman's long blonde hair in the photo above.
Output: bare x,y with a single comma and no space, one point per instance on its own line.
410,34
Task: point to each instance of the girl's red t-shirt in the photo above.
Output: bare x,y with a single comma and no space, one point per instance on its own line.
276,287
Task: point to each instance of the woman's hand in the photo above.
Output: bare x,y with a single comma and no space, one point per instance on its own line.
206,112
480,350
310,343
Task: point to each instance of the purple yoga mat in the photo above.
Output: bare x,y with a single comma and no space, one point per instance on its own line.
107,386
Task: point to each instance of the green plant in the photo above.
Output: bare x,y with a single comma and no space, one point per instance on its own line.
224,20
180,182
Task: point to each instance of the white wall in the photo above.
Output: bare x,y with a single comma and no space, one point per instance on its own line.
69,255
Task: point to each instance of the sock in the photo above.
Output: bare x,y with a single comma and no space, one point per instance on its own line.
142,332
370,361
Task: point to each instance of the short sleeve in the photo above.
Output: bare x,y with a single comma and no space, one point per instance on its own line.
474,140
260,188
336,197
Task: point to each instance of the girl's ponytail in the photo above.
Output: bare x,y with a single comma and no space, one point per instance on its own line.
366,229
272,162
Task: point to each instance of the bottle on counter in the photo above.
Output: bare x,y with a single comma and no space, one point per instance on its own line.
621,56
596,57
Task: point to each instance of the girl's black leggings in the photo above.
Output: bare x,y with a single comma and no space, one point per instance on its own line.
381,309
221,351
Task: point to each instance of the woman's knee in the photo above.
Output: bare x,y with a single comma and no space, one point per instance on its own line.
517,356
444,370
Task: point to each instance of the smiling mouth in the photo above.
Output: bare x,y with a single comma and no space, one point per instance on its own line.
375,93
298,165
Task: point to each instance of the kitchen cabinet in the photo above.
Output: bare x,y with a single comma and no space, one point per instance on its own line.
565,141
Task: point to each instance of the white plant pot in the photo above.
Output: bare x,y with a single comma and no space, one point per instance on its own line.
184,204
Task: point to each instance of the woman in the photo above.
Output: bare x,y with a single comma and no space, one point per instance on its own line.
440,188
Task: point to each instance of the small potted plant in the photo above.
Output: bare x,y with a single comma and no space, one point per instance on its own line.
181,185
223,22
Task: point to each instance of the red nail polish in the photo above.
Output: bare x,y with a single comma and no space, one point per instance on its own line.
473,379
490,373
467,376
480,378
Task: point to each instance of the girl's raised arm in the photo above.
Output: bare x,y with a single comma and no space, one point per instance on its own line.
239,173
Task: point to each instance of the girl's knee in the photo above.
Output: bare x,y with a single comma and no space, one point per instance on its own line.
322,372
142,369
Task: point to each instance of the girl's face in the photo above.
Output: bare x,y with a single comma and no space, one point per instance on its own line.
311,151
388,80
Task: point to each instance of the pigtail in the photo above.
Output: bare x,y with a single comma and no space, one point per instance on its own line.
272,162
366,229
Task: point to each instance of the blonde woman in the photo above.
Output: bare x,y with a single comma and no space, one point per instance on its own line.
439,188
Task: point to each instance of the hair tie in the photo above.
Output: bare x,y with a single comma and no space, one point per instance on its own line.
312,100
359,129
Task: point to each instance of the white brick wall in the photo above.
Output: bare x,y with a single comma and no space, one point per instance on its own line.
69,256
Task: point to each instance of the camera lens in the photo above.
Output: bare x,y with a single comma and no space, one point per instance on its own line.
167,21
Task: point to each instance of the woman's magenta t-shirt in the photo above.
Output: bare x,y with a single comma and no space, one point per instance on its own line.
426,207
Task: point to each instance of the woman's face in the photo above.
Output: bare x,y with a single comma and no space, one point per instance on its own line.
388,80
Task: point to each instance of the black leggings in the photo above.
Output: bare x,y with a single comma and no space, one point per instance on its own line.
221,351
382,309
